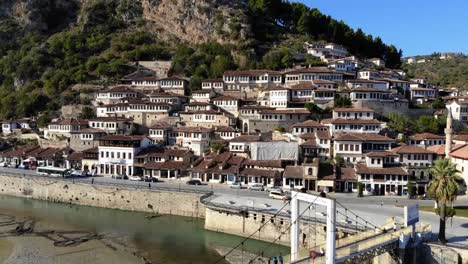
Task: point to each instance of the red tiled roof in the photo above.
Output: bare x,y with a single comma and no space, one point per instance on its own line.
381,154
355,121
193,129
408,149
250,73
363,169
362,137
309,123
261,173
172,165
461,153
246,138
312,70
353,109
296,172
69,121
263,163
423,136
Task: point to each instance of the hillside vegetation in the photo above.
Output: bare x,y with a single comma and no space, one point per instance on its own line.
450,72
47,46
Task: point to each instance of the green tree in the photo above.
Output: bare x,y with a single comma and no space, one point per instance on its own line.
444,188
398,122
280,129
360,186
411,189
438,103
44,119
87,113
429,124
342,102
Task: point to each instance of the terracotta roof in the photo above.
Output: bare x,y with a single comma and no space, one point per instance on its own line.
161,125
353,109
257,107
296,172
364,81
91,150
250,72
362,137
307,136
309,123
19,152
440,149
123,137
408,149
213,80
461,137
423,136
224,129
303,86
261,173
193,129
225,98
75,156
355,121
246,138
368,89
202,91
276,87
173,78
165,165
461,153
263,163
319,81
69,121
323,134
120,89
363,169
285,111
348,174
310,144
381,154
111,119
312,70
91,131
198,104
162,93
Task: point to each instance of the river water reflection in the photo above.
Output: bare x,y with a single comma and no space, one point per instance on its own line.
165,239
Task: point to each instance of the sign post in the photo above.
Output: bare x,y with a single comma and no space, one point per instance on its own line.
412,217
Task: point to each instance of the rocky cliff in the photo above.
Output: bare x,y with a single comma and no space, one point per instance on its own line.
197,21
40,15
189,21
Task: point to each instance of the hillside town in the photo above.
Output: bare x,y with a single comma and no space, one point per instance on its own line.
308,128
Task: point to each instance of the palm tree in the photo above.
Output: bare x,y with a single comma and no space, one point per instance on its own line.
443,188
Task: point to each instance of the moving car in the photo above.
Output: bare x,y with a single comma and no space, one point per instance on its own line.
194,182
275,194
134,178
12,165
236,185
256,187
150,179
76,173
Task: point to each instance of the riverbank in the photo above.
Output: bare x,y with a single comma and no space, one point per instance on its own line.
153,200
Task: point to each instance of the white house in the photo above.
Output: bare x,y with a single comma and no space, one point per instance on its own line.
228,103
250,79
196,139
117,153
115,94
294,77
352,146
213,84
459,110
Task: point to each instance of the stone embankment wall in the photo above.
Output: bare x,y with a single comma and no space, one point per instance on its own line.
57,190
239,224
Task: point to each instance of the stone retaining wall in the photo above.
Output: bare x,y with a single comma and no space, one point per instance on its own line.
58,190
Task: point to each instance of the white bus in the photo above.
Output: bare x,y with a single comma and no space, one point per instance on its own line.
52,171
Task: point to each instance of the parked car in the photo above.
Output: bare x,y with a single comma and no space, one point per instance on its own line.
194,182
77,173
134,178
12,165
236,185
4,164
23,167
120,177
275,194
256,187
150,179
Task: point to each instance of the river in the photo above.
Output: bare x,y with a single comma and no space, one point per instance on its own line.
164,239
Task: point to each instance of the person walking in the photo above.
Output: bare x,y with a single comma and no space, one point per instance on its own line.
274,260
149,185
92,180
280,258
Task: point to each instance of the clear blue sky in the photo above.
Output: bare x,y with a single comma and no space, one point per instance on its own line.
418,27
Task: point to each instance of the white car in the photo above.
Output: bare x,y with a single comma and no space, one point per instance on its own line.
236,185
275,194
256,187
76,173
134,178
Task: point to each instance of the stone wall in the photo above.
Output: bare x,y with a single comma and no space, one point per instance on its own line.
244,225
58,190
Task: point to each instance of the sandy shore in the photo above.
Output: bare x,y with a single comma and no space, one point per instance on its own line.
35,248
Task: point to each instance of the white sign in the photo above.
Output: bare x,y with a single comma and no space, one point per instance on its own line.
411,214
